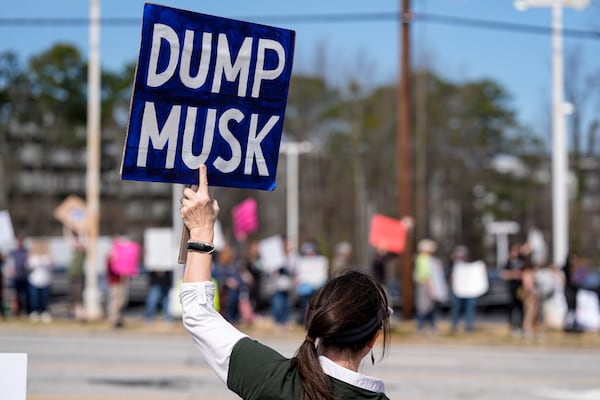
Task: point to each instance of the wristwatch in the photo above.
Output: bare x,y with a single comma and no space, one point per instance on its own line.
201,247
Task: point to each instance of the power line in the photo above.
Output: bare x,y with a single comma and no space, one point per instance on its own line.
66,22
327,18
503,26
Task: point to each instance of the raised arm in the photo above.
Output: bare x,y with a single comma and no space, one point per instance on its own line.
213,335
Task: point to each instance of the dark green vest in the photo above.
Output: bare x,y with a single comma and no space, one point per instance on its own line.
257,372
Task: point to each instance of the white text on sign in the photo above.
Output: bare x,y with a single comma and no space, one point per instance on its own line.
225,67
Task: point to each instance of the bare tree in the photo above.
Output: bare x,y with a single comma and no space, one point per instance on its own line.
582,88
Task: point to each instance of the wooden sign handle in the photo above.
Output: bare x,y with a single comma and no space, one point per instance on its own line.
185,236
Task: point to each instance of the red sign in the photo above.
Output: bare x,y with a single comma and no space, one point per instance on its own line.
387,233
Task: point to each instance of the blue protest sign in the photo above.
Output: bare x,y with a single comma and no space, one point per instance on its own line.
211,91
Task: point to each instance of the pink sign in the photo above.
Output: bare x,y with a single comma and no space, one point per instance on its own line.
245,218
125,257
387,233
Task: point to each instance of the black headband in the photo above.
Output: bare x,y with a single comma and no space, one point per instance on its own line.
360,332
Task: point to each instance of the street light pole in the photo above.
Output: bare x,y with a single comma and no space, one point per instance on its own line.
560,150
560,167
292,150
91,294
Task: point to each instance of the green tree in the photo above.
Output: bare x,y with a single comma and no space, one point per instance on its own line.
59,86
581,90
13,101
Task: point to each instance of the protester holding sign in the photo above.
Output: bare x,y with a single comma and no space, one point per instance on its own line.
469,281
122,261
425,296
342,327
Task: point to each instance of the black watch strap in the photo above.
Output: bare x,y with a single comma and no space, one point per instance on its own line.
201,247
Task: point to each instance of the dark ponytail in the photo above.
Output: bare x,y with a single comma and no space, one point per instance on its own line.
344,314
315,383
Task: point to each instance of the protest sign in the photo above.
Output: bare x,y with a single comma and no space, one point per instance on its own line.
312,271
125,257
72,213
39,246
588,309
245,218
219,240
159,249
7,234
387,233
272,253
437,282
13,379
211,91
469,279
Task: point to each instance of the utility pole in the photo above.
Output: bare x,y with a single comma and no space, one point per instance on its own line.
91,293
405,191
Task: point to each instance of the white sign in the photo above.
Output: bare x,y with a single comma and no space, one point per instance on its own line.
312,270
469,279
7,234
535,238
588,310
503,227
219,238
160,252
13,379
272,253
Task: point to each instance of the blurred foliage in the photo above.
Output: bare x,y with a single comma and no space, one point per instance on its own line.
351,171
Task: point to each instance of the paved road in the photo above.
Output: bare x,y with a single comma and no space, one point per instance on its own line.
72,361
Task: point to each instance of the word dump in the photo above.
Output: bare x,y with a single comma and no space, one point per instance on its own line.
211,91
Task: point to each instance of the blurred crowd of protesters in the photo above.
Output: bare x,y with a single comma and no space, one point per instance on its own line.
541,295
245,285
549,296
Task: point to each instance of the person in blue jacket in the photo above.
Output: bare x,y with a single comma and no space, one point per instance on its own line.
344,319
